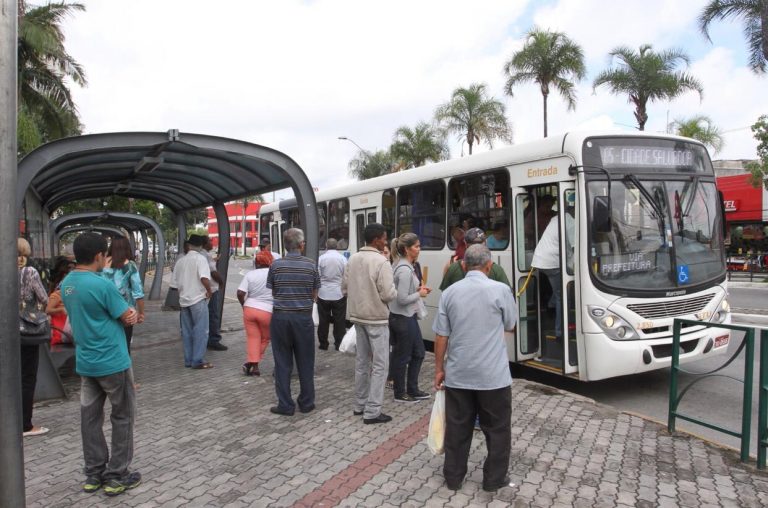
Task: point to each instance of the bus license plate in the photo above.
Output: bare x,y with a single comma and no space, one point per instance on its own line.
722,340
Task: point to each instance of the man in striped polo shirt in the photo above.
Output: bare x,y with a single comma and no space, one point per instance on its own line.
294,281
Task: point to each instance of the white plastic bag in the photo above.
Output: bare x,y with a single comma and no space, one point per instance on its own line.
436,436
349,342
315,315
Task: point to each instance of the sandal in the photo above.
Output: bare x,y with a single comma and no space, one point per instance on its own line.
205,365
390,384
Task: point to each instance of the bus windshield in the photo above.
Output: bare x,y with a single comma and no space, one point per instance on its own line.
664,232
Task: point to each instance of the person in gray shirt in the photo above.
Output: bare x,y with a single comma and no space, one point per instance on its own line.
470,323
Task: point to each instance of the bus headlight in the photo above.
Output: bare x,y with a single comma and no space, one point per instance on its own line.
613,326
722,312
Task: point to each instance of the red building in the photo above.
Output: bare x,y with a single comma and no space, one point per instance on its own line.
236,226
746,214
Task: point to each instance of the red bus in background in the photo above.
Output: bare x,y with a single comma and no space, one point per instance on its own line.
236,232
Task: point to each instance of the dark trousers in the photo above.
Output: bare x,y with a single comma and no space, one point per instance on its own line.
214,318
331,311
495,409
292,335
30,357
128,336
408,353
100,461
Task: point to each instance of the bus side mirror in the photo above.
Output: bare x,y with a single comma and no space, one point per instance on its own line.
601,214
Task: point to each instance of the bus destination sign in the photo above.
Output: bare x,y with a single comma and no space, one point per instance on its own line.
625,156
615,265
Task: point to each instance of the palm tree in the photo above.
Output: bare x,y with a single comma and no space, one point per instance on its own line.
46,108
701,128
550,59
647,76
414,147
367,165
474,116
755,17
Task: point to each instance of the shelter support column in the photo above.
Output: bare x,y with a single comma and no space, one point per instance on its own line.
144,260
222,265
11,449
157,280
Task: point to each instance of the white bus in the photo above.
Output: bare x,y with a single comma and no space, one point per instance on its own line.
646,244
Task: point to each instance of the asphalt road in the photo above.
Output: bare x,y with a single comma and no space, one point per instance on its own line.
717,400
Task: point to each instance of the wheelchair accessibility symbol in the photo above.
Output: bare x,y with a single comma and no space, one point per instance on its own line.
682,274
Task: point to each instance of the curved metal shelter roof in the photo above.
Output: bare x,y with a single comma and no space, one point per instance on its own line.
128,221
181,171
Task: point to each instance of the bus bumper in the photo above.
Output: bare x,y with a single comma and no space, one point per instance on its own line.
610,358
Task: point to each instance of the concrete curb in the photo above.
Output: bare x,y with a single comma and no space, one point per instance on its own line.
749,320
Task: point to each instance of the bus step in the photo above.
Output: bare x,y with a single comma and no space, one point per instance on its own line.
543,364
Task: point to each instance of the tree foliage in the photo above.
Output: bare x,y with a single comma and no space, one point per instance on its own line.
759,169
754,15
367,165
645,76
46,109
701,128
415,147
474,116
550,59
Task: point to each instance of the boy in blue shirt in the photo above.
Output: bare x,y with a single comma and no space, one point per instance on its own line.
97,313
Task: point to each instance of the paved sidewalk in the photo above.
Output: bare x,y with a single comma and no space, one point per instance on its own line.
207,438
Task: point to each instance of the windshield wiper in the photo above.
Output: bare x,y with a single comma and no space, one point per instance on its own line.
653,201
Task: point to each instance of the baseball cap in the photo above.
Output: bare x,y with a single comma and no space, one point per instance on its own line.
474,235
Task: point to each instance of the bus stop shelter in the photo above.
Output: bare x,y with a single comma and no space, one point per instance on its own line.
182,171
131,222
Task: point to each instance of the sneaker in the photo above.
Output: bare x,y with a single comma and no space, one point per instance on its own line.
382,418
405,398
127,482
421,395
92,484
217,346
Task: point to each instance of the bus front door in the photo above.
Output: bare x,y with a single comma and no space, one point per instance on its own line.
524,280
363,217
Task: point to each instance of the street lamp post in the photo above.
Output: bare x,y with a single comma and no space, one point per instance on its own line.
365,152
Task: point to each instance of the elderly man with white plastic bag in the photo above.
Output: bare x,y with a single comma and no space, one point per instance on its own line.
471,366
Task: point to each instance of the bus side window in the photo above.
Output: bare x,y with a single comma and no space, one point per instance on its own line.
388,213
338,222
525,232
481,201
322,222
421,210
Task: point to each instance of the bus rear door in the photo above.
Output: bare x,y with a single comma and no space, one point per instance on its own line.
362,218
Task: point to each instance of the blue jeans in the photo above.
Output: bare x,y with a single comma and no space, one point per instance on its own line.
293,337
555,280
408,353
194,333
214,318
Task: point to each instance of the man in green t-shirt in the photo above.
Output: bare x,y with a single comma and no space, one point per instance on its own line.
456,271
97,313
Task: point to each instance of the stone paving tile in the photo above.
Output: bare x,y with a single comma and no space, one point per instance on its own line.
206,438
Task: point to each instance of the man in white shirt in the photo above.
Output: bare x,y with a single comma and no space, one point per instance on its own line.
214,303
193,275
546,259
331,302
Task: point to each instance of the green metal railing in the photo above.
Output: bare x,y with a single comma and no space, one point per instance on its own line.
747,345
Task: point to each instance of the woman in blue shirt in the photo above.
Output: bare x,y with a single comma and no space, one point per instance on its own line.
124,274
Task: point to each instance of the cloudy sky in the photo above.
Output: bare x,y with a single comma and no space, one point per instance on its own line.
295,75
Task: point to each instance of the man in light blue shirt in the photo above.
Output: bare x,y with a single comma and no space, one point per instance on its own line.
471,319
331,302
